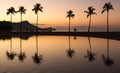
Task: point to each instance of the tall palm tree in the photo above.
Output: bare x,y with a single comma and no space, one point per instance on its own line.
107,7
11,11
37,8
70,52
90,12
22,10
69,15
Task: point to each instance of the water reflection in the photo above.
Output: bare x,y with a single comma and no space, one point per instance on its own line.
37,58
106,59
90,55
21,55
10,55
70,52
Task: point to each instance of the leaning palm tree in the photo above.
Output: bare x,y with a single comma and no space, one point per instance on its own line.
90,12
37,8
108,6
11,11
22,10
69,15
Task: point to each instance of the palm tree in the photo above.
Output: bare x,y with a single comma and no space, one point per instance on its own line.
70,52
11,11
90,12
37,8
90,55
107,6
69,15
106,59
22,10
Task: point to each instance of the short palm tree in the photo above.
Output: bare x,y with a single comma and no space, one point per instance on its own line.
90,12
37,8
69,15
22,10
107,6
11,11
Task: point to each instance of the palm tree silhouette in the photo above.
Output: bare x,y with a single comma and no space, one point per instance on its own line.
90,55
11,11
10,54
22,54
106,59
69,15
107,6
70,52
37,8
37,58
90,12
22,10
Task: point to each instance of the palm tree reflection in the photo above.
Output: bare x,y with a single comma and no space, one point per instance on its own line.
37,58
70,52
21,55
11,55
90,55
106,59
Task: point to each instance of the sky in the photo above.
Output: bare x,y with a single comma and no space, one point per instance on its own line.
54,12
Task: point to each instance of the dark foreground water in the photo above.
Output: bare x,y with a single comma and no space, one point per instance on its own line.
59,54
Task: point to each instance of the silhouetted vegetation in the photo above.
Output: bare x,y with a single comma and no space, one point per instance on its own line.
37,8
107,7
69,15
90,12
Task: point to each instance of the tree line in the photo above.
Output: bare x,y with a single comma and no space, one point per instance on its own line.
70,14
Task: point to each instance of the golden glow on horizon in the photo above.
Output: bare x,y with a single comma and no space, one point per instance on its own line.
54,12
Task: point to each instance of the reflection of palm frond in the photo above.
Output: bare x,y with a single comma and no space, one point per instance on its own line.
107,61
37,58
70,53
90,56
21,56
10,55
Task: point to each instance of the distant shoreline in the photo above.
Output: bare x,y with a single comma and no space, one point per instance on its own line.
110,35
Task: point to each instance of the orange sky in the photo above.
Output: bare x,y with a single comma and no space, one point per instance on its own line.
54,12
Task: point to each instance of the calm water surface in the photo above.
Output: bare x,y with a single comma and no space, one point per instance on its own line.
59,54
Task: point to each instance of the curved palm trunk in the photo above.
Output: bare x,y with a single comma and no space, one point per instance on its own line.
107,21
69,24
89,24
